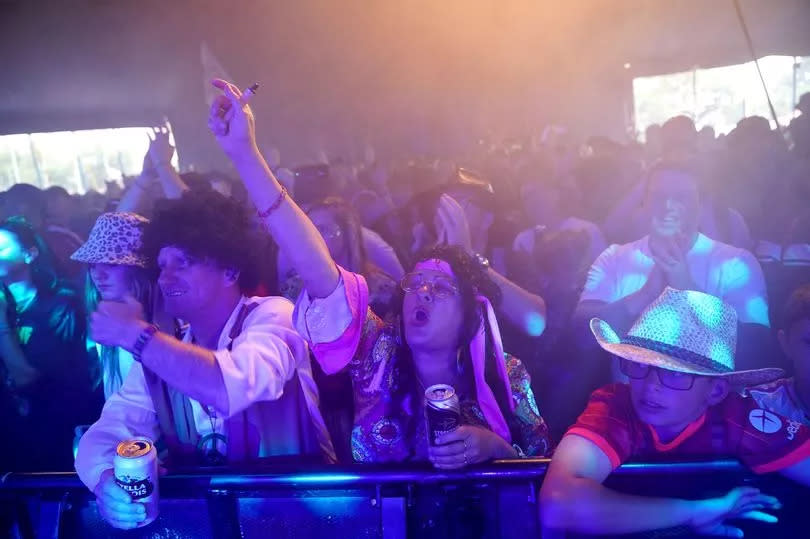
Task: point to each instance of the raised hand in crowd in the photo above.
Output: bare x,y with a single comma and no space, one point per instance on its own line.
160,149
232,123
451,223
137,193
148,172
525,310
157,168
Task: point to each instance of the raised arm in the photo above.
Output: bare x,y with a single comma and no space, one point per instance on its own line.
161,152
134,198
157,165
256,367
573,498
524,309
232,123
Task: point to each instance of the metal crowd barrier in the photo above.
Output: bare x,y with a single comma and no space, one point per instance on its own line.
496,500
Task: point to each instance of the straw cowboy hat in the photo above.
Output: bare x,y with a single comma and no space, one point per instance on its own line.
115,239
684,331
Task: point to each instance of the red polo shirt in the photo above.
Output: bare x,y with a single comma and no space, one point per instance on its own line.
736,427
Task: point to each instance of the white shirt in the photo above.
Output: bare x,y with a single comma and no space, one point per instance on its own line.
263,358
323,320
719,269
111,383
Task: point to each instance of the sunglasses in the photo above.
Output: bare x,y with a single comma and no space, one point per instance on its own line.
440,287
680,381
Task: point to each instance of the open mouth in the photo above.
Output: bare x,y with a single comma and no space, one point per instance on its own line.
173,293
670,220
420,316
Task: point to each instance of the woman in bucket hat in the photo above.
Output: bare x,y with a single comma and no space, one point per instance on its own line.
116,271
679,403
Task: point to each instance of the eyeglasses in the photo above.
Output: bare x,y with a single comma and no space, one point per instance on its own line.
440,287
681,381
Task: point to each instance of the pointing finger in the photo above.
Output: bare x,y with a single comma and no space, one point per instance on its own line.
229,90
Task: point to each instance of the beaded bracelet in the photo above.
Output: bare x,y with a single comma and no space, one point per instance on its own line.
281,196
143,339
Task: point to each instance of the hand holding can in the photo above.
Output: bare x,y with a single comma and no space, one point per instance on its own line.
115,505
136,474
442,411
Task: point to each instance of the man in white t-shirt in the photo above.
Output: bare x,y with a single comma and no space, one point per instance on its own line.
624,279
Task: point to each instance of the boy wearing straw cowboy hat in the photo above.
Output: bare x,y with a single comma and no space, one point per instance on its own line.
679,403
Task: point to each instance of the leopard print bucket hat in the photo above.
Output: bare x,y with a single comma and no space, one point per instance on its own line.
115,239
684,331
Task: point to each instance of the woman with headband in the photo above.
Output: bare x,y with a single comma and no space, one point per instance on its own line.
446,333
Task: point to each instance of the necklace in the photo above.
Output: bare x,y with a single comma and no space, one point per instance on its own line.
212,417
207,446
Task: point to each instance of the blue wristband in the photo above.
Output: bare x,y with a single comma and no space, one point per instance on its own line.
143,339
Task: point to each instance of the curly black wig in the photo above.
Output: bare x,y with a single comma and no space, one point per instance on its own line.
207,225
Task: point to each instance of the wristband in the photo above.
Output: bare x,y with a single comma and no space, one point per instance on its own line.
266,213
143,339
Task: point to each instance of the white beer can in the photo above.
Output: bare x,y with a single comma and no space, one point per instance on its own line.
136,471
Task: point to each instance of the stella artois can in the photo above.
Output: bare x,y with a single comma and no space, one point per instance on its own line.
136,471
442,411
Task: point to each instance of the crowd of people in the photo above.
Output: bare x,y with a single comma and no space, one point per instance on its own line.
302,311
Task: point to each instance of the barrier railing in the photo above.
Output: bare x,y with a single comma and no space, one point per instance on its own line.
496,500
